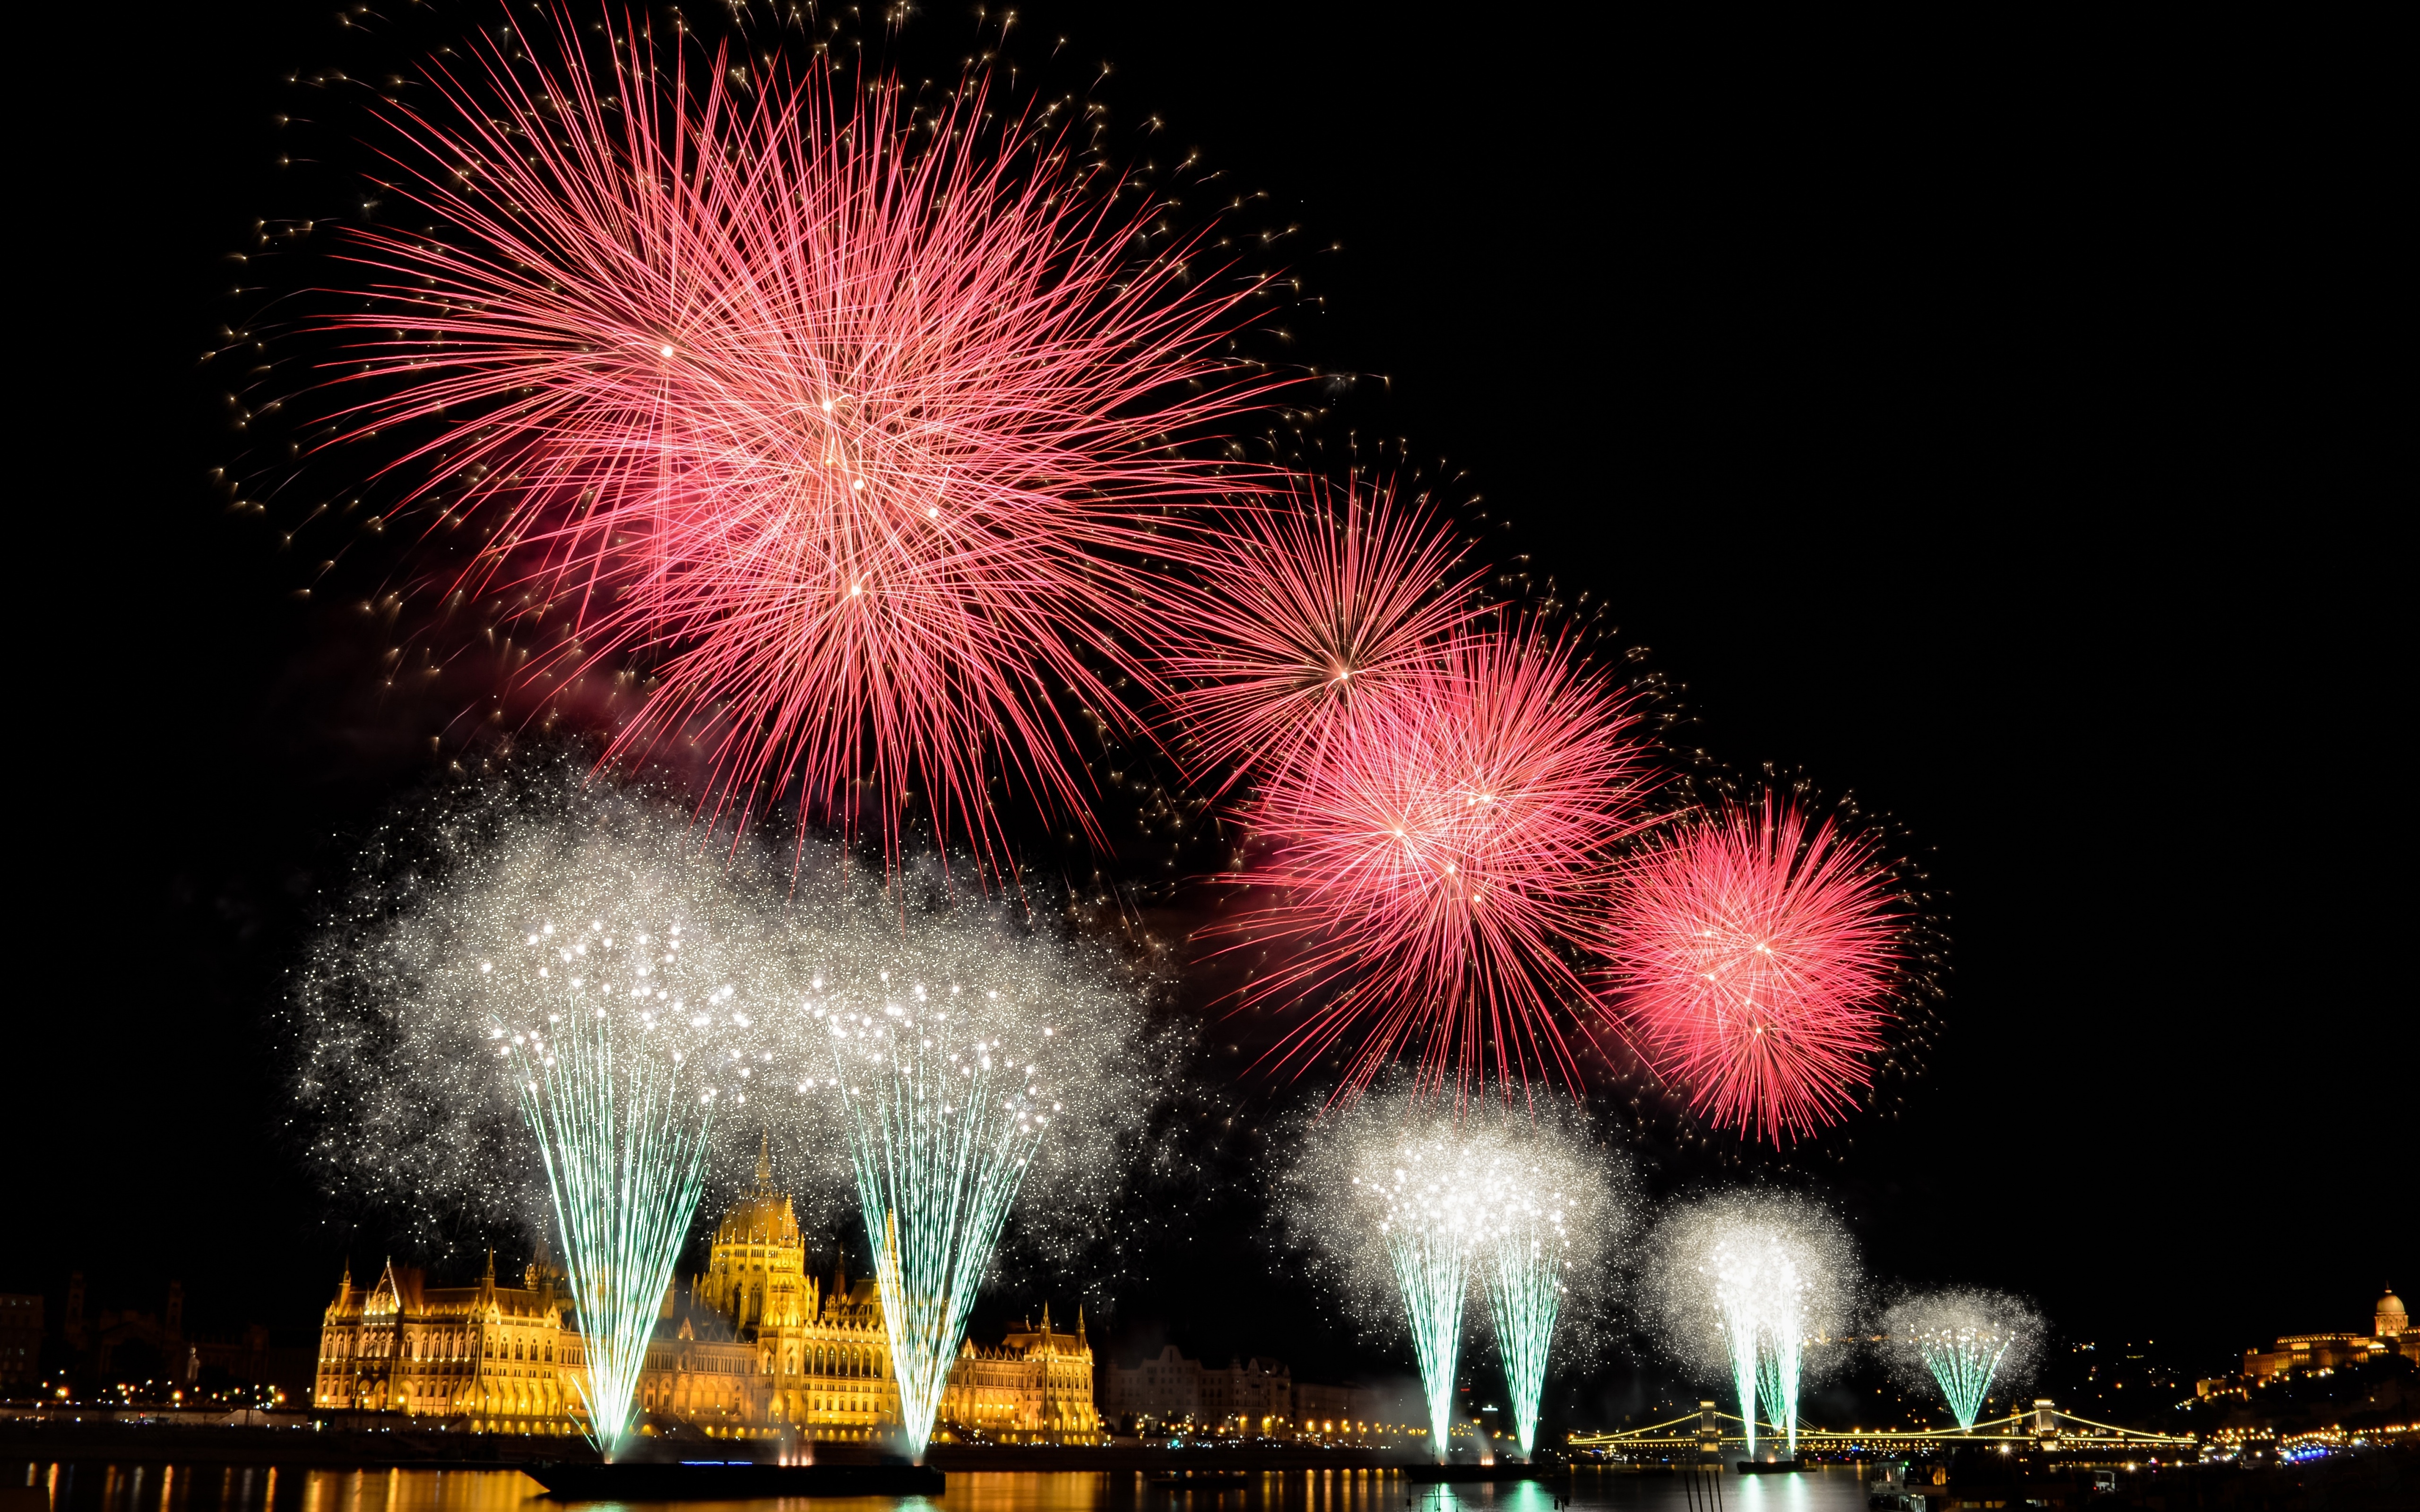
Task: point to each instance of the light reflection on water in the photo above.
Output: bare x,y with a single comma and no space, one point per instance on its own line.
107,1488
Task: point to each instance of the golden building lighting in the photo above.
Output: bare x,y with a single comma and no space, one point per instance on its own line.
753,1348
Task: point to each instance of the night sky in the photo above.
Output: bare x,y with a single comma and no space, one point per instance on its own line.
1997,426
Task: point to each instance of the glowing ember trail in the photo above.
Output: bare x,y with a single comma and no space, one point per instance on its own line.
1317,605
1424,875
848,418
1753,963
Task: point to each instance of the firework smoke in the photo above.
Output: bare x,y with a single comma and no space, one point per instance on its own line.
849,415
1426,873
1754,964
1961,1341
1742,1287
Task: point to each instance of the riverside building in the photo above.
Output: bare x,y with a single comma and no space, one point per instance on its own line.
752,1348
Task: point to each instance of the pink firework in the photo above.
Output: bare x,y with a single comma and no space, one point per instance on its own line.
1754,966
1316,606
848,419
1429,868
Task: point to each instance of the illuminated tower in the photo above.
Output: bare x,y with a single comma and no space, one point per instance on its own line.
757,1273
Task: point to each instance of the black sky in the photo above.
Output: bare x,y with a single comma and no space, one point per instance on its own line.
1999,422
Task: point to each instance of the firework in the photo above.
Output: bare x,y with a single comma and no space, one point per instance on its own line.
1742,1287
970,1067
1753,964
1962,1341
553,969
1426,873
849,416
1317,604
1406,1208
1551,1205
559,999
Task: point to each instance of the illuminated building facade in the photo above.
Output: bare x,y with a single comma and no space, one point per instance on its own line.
751,1348
495,1356
2317,1354
1255,1397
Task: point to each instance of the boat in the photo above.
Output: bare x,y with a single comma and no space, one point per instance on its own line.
1501,1470
730,1480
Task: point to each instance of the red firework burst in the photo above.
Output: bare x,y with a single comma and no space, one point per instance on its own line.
848,416
1754,964
1430,867
1318,605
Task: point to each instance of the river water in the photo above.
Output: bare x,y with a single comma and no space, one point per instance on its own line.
93,1486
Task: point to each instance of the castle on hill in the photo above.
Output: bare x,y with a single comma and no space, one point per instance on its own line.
752,1348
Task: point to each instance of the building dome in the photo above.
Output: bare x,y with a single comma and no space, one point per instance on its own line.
2392,1319
764,1216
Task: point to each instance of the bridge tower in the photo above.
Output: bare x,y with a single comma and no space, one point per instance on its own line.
2045,1424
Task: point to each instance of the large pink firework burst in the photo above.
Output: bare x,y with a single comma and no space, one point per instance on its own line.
850,419
1317,605
1427,872
1753,966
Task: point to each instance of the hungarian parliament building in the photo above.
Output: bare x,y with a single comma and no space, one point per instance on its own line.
752,1348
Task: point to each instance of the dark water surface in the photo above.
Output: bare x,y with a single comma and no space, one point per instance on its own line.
93,1486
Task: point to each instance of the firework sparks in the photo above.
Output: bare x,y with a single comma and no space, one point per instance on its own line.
558,998
1753,964
555,970
1317,605
957,1067
1742,1287
849,417
1962,1341
1408,1209
1550,1208
1426,873
624,1143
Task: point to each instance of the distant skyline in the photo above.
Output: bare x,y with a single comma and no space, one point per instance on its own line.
1971,436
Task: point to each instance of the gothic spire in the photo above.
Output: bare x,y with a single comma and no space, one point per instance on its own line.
765,1163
